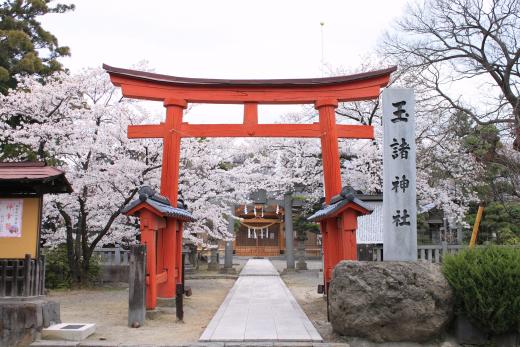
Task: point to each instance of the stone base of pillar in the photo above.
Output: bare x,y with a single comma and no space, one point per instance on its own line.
153,314
229,270
213,266
288,270
165,302
301,265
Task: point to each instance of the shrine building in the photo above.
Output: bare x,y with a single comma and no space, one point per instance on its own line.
260,228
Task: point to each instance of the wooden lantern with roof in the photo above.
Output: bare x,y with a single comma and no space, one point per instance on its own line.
340,218
161,227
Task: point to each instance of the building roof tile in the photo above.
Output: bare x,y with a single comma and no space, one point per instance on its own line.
32,178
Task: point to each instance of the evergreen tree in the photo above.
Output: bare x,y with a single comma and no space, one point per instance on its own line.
26,48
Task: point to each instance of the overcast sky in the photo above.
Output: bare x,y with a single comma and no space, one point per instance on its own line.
223,39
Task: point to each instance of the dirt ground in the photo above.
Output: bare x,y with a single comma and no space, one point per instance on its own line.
303,285
108,308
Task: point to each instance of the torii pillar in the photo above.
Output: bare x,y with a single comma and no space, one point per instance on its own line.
171,251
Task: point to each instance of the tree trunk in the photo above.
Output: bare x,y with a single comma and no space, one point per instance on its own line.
72,257
85,267
516,142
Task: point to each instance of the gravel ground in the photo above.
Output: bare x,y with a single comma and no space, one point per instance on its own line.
303,286
108,308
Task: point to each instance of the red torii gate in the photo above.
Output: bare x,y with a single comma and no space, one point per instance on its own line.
324,93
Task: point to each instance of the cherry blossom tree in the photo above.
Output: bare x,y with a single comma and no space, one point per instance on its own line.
79,123
210,183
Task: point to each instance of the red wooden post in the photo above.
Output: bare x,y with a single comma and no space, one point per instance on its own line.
336,246
169,239
178,252
329,147
169,188
148,227
172,149
349,221
326,249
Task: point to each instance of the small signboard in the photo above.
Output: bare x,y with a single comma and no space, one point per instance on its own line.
370,227
399,179
11,217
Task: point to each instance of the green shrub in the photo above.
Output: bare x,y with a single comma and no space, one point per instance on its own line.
94,270
486,283
57,274
57,270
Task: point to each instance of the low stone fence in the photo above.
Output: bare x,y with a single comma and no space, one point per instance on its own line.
431,253
114,264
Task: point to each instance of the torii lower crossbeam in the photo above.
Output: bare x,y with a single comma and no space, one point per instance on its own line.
243,130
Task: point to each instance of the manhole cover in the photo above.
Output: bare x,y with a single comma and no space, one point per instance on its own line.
73,326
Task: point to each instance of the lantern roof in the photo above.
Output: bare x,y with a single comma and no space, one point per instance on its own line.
346,199
160,205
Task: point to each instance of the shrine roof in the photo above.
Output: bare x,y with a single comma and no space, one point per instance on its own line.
300,82
32,178
161,204
337,203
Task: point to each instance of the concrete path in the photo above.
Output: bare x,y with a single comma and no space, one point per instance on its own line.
260,307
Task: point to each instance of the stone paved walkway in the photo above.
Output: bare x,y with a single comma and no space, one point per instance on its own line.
260,307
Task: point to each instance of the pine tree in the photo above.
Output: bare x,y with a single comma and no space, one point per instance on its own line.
25,46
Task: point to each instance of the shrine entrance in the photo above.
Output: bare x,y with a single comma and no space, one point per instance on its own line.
339,239
260,231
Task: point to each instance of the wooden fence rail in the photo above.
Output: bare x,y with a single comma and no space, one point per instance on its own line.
22,277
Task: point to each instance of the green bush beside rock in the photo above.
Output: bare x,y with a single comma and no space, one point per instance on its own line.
486,284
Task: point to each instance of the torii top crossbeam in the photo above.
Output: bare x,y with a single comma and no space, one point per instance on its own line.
152,86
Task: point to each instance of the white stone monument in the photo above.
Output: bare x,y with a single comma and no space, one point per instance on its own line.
399,190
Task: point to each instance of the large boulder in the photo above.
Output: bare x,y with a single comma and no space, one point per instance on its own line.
389,301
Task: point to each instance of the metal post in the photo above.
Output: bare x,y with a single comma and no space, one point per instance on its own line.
289,235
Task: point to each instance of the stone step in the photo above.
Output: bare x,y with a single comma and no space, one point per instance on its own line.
68,331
